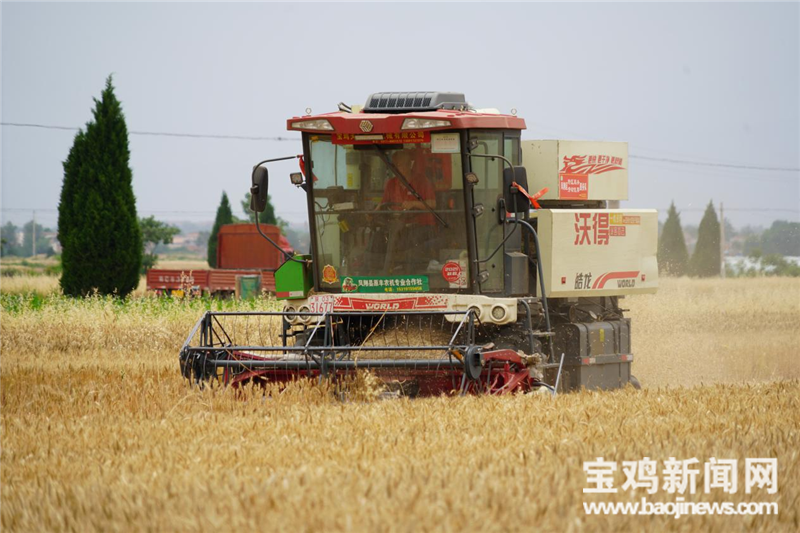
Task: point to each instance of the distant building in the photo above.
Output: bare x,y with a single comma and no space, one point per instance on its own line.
52,238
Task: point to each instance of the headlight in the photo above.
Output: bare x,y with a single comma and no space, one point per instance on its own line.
305,319
423,123
498,312
319,125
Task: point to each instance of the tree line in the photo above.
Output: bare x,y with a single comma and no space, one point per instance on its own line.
11,246
767,249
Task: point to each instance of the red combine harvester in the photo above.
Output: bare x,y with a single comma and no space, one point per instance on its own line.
447,255
241,251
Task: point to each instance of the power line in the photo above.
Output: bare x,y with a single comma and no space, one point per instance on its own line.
258,138
714,173
737,209
158,133
720,165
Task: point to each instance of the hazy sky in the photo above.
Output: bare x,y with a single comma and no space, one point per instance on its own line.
701,82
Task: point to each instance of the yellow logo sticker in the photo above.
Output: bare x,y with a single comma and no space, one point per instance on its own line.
329,274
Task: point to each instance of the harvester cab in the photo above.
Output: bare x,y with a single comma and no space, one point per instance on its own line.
447,255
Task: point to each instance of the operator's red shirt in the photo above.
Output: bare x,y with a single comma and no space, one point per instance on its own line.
396,193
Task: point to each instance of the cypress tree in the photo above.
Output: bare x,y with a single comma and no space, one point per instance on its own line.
267,216
224,216
97,224
673,259
705,261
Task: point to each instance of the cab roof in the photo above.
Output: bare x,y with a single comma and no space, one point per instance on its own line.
364,123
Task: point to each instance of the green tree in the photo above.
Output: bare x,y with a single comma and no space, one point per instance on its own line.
224,216
673,259
97,224
267,216
783,238
705,260
42,243
778,265
202,238
768,265
8,236
154,232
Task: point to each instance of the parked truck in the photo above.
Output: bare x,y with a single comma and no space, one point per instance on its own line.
241,256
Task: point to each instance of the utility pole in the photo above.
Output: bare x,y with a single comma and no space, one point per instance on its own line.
722,241
34,234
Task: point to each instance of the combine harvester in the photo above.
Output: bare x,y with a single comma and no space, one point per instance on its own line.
442,264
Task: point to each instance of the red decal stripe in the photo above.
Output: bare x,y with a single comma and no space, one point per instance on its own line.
601,281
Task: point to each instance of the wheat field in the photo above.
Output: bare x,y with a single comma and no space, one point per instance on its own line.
99,432
19,279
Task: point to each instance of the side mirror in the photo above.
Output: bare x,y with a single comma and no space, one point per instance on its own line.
258,191
514,199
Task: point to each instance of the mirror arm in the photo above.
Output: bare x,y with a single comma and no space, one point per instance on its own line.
252,174
286,254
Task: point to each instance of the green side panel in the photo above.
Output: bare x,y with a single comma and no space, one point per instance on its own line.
293,280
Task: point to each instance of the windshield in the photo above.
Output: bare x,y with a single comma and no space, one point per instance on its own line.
389,218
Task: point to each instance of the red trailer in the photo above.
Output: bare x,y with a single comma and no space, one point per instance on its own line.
223,282
241,251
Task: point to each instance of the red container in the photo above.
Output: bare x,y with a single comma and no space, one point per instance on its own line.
239,246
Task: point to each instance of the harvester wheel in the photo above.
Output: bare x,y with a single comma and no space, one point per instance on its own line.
635,382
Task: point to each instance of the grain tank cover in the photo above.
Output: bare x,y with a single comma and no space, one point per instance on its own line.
577,170
598,252
414,101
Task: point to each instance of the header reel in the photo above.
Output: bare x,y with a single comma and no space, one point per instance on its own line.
419,352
